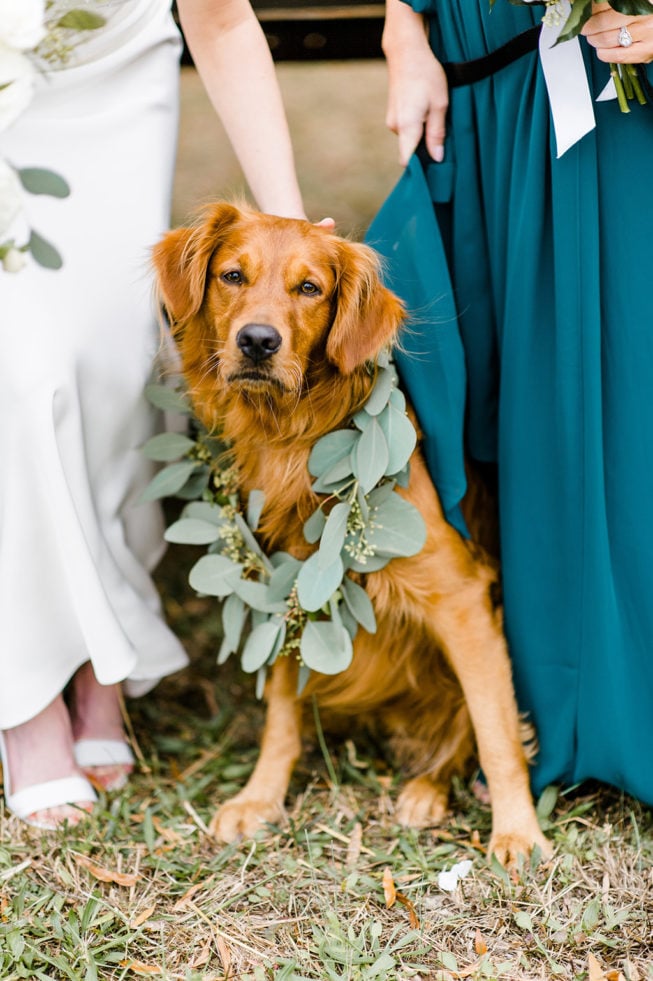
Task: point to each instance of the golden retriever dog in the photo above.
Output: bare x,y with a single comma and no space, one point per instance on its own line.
278,322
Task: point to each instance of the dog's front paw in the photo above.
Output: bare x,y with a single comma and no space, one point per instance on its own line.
242,817
422,803
507,846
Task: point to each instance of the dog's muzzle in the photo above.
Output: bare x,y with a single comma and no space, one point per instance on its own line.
258,341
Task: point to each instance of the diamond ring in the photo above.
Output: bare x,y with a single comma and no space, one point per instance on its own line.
625,38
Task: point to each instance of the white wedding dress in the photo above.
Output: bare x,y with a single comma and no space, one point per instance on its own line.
77,346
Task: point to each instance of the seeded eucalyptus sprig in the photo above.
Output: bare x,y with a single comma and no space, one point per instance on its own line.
276,605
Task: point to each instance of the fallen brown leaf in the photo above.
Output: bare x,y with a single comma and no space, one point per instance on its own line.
389,891
142,917
107,875
480,946
138,967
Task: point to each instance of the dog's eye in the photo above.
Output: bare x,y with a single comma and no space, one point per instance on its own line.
308,288
232,276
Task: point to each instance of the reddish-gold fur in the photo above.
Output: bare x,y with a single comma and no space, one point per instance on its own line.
436,673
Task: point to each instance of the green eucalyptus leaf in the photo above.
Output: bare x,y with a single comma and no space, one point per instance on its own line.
303,675
261,677
380,394
259,645
215,575
167,446
314,527
36,180
255,594
380,494
349,621
195,485
225,651
398,399
361,420
329,449
81,20
326,647
316,585
167,399
580,13
400,436
398,530
334,534
234,615
371,563
631,8
44,252
255,503
192,531
204,512
250,540
371,456
283,579
402,478
334,480
359,604
169,480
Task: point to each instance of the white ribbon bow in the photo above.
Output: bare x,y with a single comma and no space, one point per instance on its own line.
566,81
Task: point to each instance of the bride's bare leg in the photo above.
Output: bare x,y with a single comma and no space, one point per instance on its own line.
95,713
41,750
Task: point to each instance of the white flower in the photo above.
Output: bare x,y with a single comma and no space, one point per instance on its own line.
448,879
21,23
16,84
14,260
11,197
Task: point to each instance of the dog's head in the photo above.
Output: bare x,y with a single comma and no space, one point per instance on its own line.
260,303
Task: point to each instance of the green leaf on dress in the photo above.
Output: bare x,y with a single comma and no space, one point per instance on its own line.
81,20
44,252
37,180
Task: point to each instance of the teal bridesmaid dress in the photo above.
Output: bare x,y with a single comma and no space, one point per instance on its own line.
541,270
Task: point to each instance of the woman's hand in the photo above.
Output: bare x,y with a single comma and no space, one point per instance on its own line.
602,32
418,95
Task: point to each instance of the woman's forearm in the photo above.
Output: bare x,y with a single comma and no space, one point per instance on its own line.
234,61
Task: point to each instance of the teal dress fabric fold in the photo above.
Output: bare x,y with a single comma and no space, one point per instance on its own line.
544,264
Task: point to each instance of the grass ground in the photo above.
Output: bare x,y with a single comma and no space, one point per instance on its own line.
339,891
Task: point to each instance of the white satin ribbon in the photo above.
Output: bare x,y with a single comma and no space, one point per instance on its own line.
567,84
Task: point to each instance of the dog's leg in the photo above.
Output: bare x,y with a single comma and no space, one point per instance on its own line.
471,635
261,800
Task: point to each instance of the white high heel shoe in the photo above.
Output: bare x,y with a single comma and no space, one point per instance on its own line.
42,796
90,753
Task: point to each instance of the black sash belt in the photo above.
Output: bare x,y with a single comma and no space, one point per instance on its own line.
467,72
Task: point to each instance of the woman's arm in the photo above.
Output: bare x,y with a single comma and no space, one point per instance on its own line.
418,95
234,62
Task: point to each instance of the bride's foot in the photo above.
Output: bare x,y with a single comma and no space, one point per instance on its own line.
42,783
100,746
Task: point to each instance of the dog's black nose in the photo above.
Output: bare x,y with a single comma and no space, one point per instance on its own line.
258,341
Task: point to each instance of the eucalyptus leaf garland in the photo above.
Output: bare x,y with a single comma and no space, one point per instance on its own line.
277,605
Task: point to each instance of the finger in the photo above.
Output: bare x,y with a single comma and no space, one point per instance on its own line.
328,223
409,137
435,134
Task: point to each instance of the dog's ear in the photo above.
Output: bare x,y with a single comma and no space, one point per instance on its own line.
367,316
181,260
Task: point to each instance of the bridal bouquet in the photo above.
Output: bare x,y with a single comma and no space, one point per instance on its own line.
30,32
572,16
